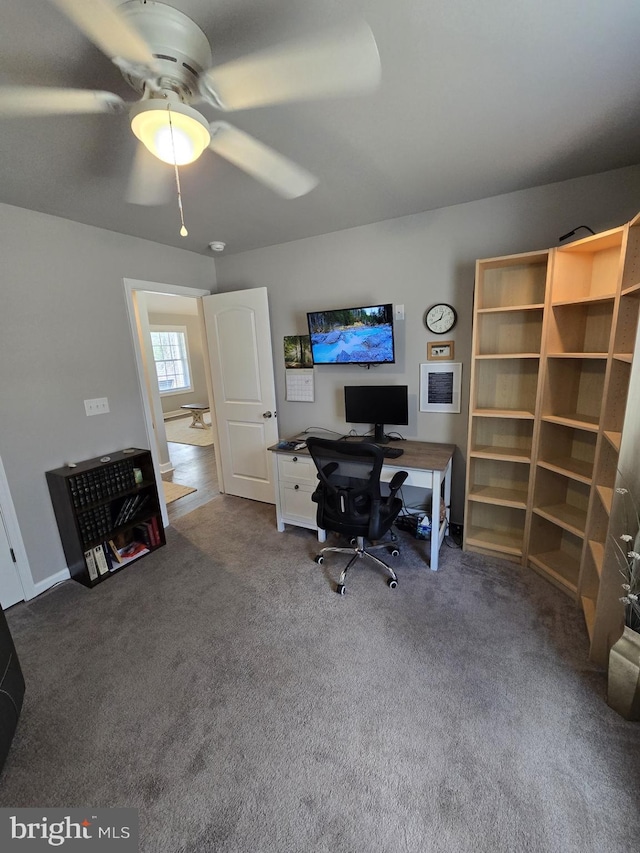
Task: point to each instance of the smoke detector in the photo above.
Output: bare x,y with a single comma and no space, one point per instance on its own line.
217,246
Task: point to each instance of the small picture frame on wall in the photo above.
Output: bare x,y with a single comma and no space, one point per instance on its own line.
440,387
440,351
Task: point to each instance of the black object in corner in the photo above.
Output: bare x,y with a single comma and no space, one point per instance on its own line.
11,689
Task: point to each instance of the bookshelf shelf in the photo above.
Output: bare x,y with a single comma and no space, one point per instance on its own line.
509,454
108,513
522,414
504,308
502,541
586,422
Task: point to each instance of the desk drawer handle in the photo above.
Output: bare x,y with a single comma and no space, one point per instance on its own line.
296,486
295,458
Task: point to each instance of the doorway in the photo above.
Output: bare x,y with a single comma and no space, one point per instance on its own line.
191,450
135,295
240,384
16,582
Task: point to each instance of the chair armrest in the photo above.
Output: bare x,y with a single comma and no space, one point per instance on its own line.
329,468
397,481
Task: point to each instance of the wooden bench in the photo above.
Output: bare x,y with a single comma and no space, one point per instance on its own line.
197,411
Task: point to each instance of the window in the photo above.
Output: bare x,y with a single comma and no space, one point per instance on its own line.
171,356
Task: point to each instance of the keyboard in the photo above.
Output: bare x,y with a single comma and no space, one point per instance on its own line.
392,452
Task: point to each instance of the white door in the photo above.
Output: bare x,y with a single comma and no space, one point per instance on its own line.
241,358
10,587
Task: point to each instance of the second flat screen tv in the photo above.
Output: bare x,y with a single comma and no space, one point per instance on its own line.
352,335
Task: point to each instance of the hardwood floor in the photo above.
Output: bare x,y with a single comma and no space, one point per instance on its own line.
196,467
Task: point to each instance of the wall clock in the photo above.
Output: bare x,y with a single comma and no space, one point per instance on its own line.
440,318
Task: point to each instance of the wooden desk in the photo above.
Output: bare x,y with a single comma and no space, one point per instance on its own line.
428,465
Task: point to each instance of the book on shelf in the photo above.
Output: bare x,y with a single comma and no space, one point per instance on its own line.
144,533
134,549
100,560
131,506
108,555
115,553
91,565
136,506
155,530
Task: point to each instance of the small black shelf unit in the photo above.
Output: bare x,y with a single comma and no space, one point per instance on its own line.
108,513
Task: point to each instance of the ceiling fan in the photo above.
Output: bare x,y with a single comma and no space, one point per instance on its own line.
166,58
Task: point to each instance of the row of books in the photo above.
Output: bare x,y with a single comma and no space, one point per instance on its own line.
107,557
101,483
95,523
131,506
148,532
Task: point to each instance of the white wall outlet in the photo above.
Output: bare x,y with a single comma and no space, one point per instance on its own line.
99,406
399,313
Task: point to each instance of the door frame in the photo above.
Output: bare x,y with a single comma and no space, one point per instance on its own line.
131,285
15,538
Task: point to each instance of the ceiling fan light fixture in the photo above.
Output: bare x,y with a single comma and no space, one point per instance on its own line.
172,131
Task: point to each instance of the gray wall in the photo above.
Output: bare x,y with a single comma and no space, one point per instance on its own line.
172,402
415,260
65,337
64,333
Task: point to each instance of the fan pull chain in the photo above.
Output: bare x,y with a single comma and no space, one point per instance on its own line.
183,229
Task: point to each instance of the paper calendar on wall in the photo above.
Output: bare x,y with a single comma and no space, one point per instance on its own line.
300,385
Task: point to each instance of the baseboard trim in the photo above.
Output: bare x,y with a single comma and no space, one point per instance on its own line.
176,413
166,467
52,580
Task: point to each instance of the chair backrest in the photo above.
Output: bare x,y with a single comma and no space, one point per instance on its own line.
348,492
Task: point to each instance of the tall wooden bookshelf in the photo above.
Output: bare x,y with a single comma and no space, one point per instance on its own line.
553,348
509,313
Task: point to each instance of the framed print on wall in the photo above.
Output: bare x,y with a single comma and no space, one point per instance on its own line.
297,351
440,351
440,387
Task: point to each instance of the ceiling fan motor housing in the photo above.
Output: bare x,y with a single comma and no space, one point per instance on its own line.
180,47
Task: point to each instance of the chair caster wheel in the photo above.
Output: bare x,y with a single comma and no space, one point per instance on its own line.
340,589
392,583
319,559
395,552
353,541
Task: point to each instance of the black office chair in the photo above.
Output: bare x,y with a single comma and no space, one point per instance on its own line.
349,500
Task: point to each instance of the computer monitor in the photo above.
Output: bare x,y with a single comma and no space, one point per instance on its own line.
377,405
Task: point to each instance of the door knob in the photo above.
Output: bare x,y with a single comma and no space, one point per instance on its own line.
267,415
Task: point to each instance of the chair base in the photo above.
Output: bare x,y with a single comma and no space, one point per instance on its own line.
358,551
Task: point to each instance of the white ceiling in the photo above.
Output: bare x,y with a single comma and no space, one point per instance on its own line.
477,99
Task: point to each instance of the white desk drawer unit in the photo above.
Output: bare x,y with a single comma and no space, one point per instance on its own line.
297,469
296,478
428,466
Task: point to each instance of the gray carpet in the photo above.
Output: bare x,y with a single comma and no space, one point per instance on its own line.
224,690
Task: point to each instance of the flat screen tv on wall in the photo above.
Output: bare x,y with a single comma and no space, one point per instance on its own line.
352,335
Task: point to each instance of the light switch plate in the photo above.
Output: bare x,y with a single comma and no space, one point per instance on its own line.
99,406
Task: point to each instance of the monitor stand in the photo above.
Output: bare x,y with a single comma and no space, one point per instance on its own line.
379,437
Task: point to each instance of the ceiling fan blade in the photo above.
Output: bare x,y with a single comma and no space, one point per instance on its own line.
342,63
42,100
150,180
261,162
108,30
